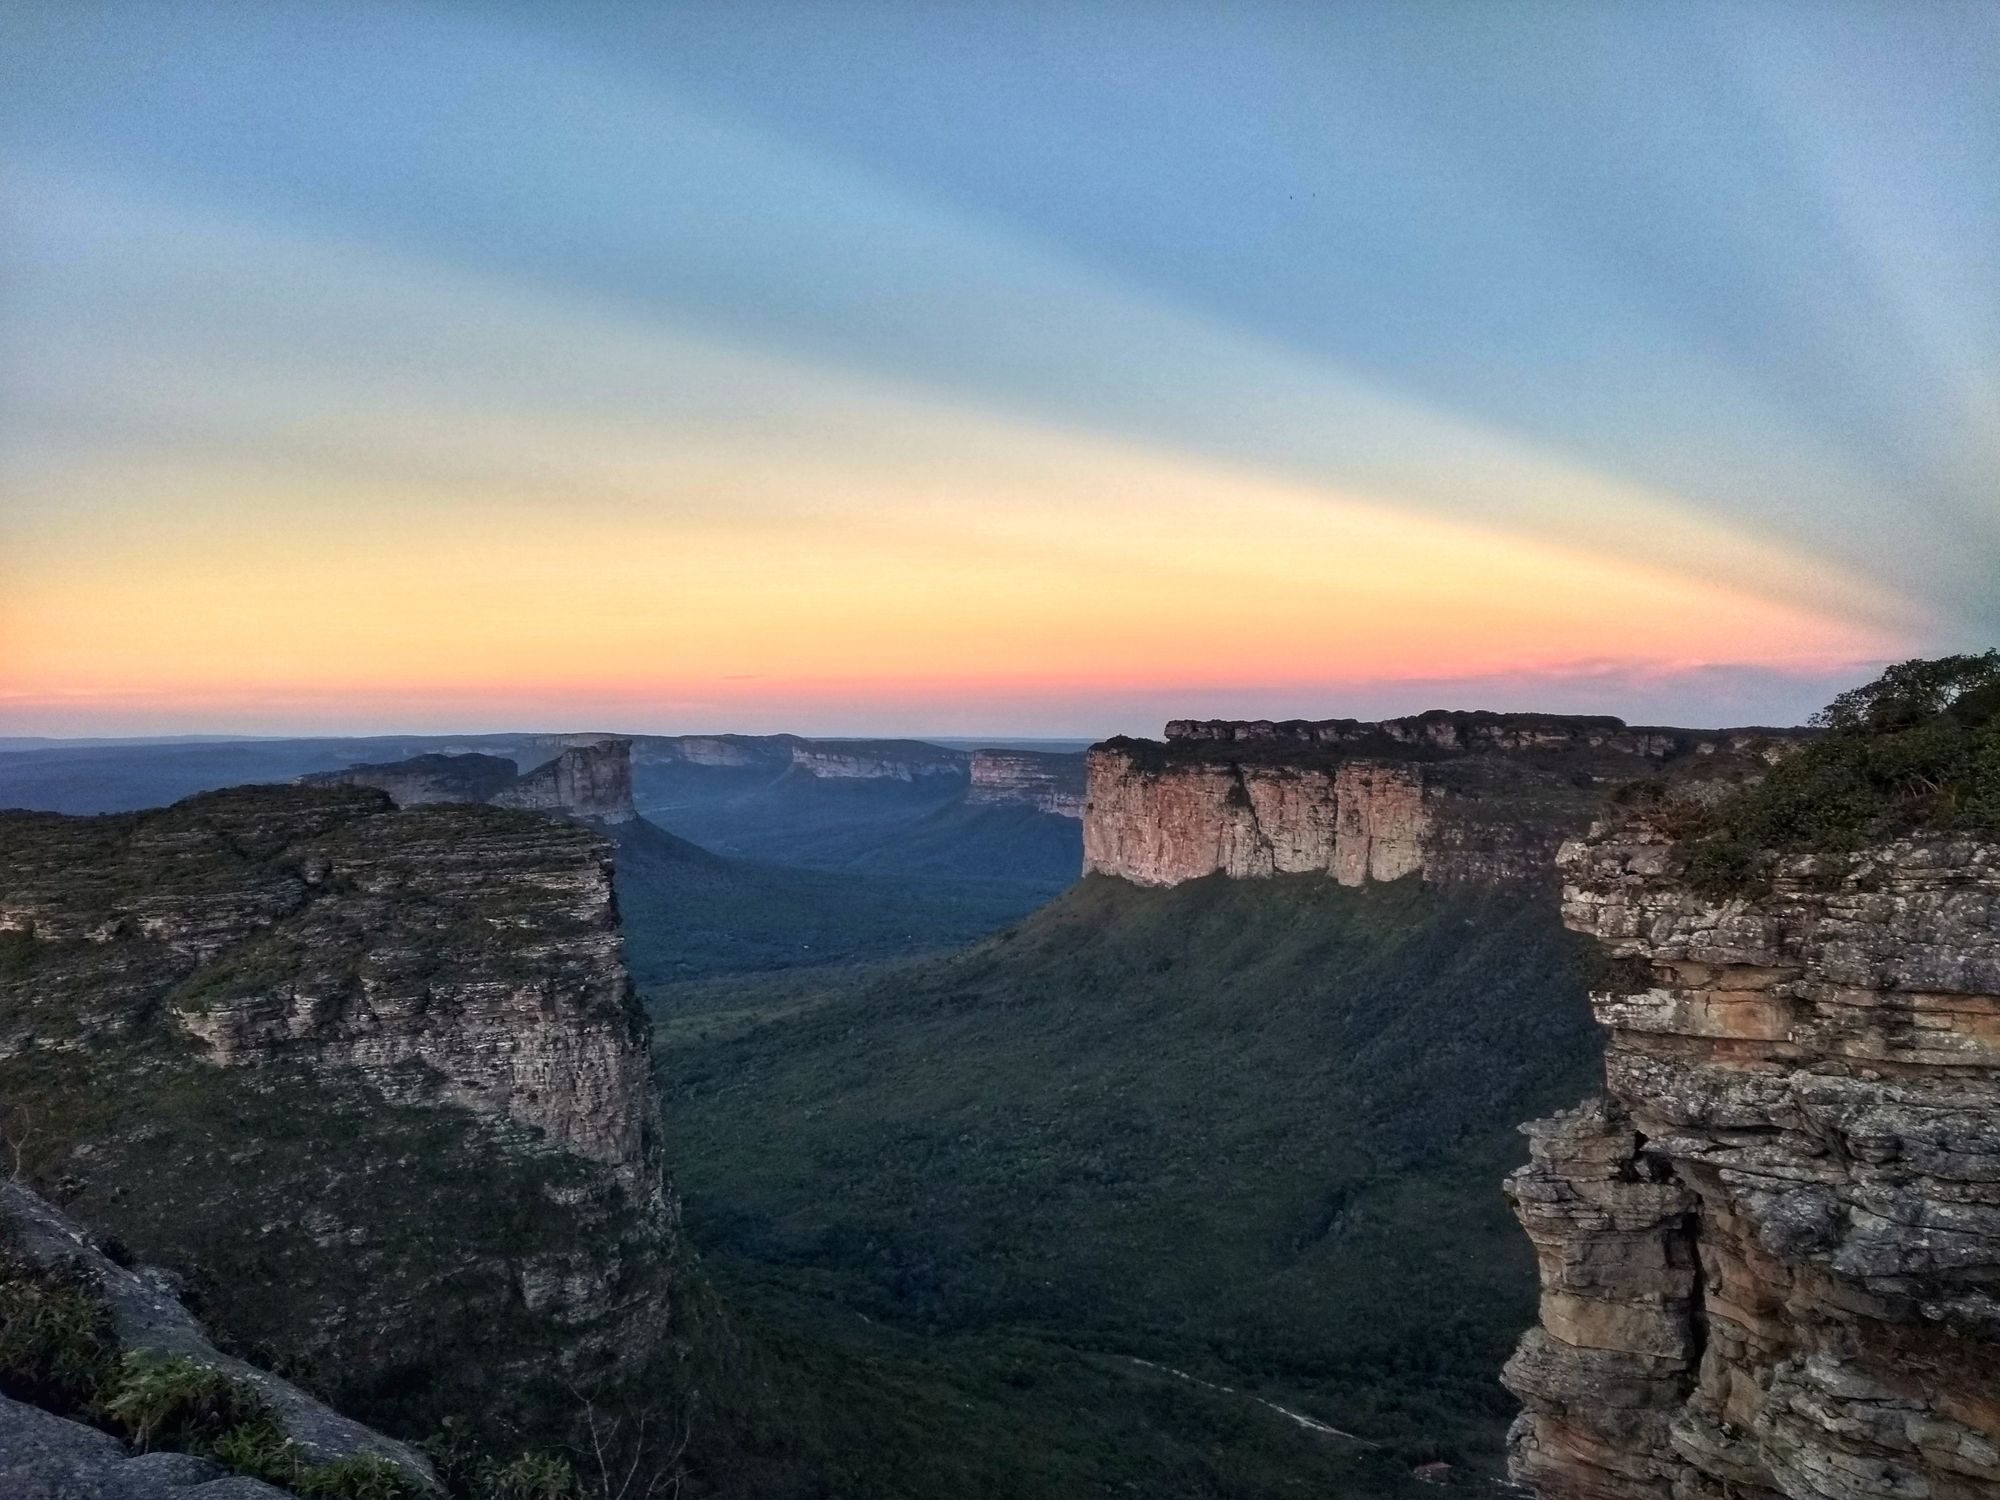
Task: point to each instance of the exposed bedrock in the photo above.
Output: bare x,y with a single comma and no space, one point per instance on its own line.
1046,781
586,781
1458,798
374,965
876,760
42,1453
1770,1257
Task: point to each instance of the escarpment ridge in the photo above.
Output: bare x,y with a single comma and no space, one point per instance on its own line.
1048,782
1770,1252
1457,798
279,1037
1770,1255
590,780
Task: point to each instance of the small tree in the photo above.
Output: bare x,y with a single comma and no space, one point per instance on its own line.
1912,693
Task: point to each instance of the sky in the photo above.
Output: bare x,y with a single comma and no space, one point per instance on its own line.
1026,368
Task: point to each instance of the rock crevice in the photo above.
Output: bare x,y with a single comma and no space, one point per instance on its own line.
1770,1257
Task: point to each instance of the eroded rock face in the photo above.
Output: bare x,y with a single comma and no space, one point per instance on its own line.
424,779
1358,821
439,996
589,779
1771,1257
1046,781
1458,798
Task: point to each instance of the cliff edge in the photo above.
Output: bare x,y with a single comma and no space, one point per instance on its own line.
377,1077
1457,798
1770,1253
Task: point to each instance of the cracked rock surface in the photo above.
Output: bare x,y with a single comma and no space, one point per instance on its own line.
1770,1256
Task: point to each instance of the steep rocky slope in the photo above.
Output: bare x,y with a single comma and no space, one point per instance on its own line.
1458,798
374,1080
1770,1255
1771,1258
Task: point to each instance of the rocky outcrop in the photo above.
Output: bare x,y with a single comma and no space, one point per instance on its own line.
318,1029
1770,1257
591,779
1475,799
1047,781
147,1317
724,751
1359,821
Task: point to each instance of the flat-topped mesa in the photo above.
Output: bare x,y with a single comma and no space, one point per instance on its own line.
871,760
1456,798
452,955
1445,729
1770,1258
425,779
727,751
1048,781
591,778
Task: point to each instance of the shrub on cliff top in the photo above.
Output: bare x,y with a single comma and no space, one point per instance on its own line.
1919,747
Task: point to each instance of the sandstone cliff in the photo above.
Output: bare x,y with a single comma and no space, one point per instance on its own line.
870,760
378,1076
590,779
1046,781
1458,798
1770,1257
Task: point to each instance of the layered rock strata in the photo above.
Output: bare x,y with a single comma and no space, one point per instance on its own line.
1456,798
427,1015
1046,781
874,760
1770,1257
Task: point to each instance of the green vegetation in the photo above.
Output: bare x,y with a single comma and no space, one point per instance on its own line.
688,914
1248,1130
1917,748
173,1402
57,1347
59,1351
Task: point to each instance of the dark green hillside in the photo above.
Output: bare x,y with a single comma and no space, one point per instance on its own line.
691,914
1252,1130
879,826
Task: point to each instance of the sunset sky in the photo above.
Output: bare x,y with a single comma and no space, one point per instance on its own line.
975,368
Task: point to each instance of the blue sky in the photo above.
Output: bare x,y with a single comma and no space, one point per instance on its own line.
1694,303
